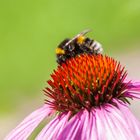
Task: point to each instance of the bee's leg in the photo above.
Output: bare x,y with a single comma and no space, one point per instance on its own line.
61,59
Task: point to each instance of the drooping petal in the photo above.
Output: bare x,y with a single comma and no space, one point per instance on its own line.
82,126
73,129
133,90
124,124
54,128
108,127
132,122
104,126
27,126
89,128
106,122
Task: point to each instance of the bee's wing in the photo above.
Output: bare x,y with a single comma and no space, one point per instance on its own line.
84,32
80,34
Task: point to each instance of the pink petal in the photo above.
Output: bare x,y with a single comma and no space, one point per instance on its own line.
106,126
89,130
107,122
134,85
74,127
124,124
26,127
112,124
81,127
54,128
132,94
133,90
131,120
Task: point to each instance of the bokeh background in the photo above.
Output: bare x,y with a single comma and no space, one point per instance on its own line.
30,30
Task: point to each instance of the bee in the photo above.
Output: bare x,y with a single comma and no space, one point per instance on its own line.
79,44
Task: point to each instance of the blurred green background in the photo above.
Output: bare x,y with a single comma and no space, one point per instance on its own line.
30,30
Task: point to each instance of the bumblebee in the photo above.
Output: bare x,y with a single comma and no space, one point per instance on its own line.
79,44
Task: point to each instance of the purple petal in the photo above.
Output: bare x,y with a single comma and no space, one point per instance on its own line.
130,119
82,126
89,128
124,124
54,128
107,122
26,127
133,90
106,126
74,127
132,94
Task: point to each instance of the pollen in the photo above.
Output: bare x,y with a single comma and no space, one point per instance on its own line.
80,39
86,81
59,51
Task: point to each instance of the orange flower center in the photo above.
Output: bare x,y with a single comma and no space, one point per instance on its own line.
86,81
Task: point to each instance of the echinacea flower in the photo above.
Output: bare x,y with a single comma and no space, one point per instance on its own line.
89,95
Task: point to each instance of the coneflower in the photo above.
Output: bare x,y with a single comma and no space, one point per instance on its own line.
89,95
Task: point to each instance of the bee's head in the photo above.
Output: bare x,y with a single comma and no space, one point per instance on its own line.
61,49
65,50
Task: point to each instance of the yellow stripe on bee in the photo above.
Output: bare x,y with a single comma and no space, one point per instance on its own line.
59,51
80,39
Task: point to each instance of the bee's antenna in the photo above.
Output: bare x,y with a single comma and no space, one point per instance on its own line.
82,33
